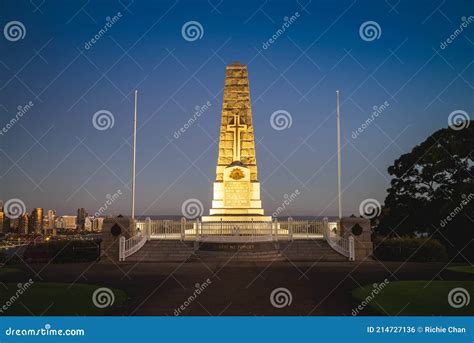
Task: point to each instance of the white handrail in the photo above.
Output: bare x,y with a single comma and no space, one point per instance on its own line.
130,246
344,246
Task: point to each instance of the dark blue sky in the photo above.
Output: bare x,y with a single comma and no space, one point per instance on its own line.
53,157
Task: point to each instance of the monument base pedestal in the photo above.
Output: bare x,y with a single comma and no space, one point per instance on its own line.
236,218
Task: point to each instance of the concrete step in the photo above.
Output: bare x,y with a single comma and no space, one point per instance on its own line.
180,251
225,256
310,250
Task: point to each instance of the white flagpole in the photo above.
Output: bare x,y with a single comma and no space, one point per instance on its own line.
338,116
134,154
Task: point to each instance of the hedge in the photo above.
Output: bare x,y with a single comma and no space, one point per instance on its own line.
409,249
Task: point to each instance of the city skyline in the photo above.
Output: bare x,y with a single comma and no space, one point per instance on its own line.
55,158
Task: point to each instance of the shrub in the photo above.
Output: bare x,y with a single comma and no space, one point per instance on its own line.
63,251
409,249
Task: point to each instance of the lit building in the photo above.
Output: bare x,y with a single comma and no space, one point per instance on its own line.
23,224
88,223
2,218
12,224
66,222
97,224
2,221
51,219
81,217
36,221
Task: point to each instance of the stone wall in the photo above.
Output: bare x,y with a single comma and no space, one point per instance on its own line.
114,228
359,228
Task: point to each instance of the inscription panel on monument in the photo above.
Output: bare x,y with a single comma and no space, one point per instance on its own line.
236,194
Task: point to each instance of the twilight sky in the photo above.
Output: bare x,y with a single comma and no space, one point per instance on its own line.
54,157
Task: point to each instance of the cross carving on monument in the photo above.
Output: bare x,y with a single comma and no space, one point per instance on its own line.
236,128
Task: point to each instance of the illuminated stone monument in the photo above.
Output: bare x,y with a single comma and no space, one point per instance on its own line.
236,189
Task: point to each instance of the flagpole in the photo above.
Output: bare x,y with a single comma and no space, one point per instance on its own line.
134,154
338,116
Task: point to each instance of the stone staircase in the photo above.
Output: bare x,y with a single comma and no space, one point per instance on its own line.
310,250
163,251
181,251
237,256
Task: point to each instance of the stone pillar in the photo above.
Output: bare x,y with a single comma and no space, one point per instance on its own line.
112,229
359,228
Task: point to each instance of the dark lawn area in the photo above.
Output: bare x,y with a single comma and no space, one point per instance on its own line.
320,288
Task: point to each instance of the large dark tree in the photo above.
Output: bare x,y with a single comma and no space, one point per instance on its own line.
432,191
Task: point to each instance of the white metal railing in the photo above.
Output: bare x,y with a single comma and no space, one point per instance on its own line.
344,246
194,229
130,246
242,231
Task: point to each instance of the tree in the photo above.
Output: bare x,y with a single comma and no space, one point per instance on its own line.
432,191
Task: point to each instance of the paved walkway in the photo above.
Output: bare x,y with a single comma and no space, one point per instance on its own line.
237,289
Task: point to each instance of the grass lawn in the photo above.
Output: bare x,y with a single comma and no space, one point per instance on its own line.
462,269
416,298
54,299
